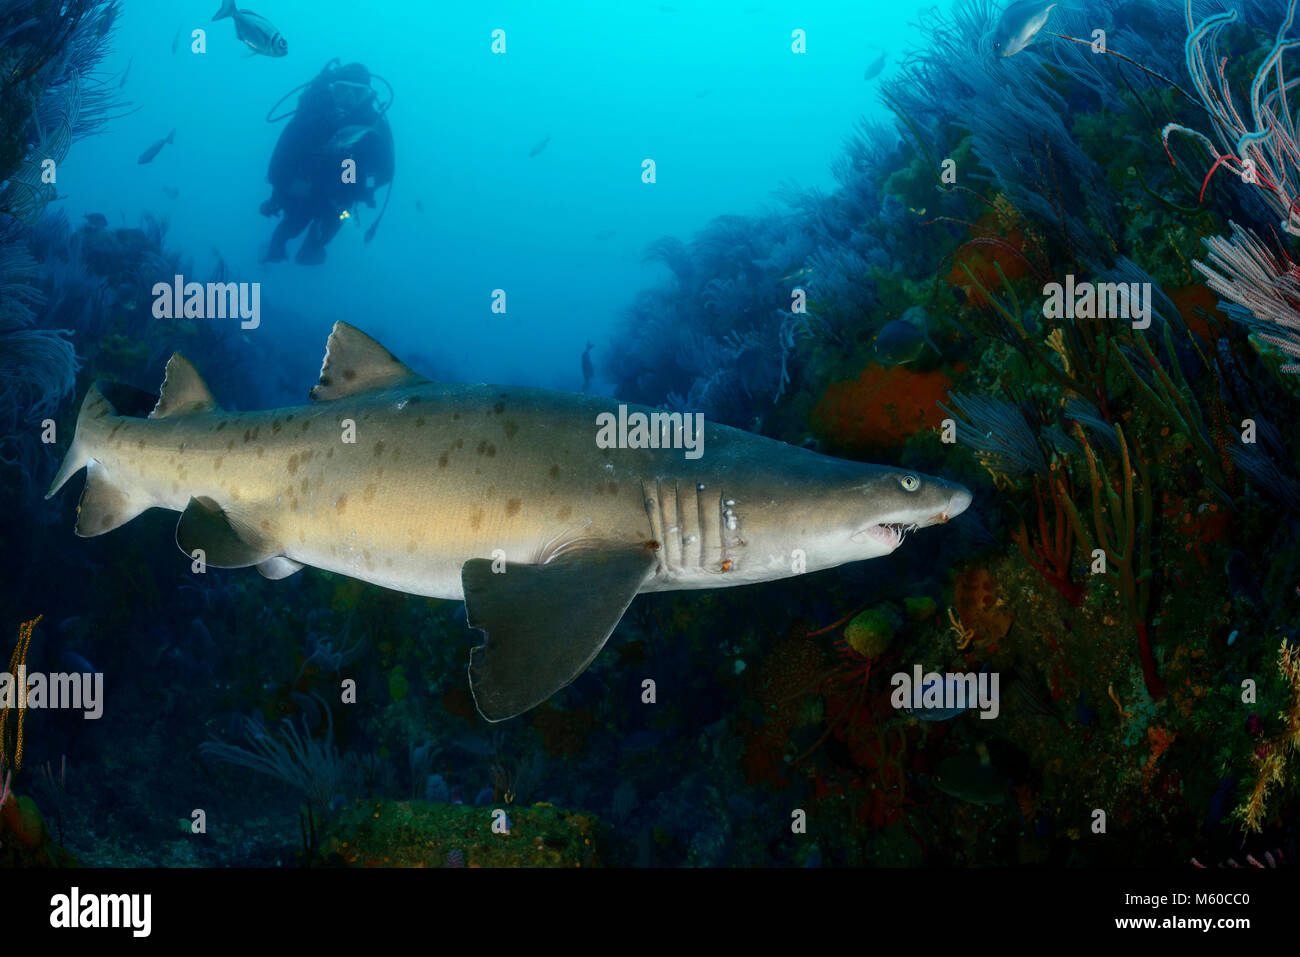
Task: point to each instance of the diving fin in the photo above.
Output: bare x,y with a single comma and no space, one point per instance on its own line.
545,624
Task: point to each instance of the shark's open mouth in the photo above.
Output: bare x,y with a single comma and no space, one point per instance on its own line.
889,534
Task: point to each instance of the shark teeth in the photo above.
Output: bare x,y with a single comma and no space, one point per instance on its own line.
889,534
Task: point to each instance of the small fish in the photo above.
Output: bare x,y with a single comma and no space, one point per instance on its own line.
96,220
903,340
258,33
797,274
874,67
148,155
540,145
419,206
1019,25
125,73
171,192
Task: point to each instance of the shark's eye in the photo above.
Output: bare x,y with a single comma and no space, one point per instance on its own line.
910,483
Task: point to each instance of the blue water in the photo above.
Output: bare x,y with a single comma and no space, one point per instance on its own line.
611,85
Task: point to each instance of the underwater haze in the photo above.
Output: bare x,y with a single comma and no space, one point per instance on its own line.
887,456
712,95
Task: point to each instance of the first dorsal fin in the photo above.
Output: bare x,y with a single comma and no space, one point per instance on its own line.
183,391
356,363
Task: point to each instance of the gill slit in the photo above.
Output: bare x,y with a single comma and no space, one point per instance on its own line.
722,524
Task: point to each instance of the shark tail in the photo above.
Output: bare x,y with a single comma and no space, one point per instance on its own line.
107,503
104,505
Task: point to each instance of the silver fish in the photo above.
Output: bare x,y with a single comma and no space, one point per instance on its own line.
874,68
258,33
148,155
504,497
1019,25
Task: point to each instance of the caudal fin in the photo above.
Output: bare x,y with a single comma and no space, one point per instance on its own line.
104,504
227,10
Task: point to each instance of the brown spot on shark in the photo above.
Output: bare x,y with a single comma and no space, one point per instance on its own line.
513,506
342,504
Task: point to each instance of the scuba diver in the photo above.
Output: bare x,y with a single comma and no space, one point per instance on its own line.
338,117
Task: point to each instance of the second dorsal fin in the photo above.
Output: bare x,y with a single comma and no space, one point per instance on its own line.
183,391
356,363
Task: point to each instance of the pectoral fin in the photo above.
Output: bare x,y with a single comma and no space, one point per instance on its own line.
226,541
545,623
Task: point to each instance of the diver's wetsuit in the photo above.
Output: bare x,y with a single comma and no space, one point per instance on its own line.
336,119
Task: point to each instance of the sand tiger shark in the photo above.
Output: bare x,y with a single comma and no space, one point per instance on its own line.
495,495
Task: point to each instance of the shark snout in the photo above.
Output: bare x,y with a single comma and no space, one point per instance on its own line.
958,502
